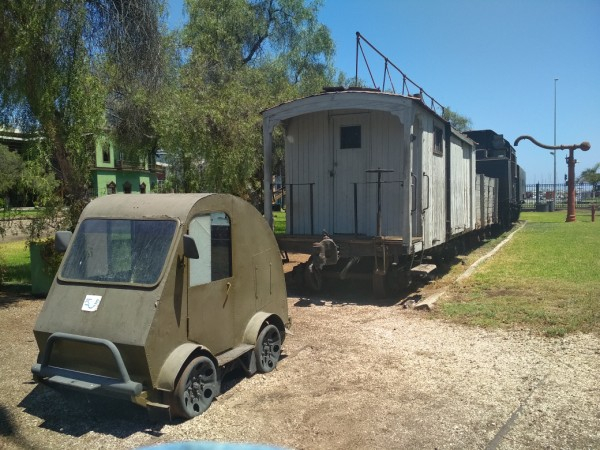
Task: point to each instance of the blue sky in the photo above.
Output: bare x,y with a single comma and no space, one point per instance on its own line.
493,61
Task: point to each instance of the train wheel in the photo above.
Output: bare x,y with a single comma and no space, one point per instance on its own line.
268,349
196,388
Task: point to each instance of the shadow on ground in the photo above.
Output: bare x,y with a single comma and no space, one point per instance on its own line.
77,414
16,293
360,291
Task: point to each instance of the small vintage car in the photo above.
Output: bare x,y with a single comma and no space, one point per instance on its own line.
158,296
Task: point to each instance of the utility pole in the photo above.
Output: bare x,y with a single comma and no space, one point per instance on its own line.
554,152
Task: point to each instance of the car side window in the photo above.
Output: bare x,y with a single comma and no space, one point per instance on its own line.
212,234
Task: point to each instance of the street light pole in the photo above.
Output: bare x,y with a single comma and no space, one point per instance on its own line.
554,152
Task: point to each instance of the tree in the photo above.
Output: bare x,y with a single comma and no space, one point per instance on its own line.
591,176
60,61
241,58
458,121
10,168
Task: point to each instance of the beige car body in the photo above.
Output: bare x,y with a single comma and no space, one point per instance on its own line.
134,333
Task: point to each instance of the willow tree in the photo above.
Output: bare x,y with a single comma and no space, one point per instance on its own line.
458,121
64,64
241,57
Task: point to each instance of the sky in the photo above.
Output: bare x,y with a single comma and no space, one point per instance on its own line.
493,61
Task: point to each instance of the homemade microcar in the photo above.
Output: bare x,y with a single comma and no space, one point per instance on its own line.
158,296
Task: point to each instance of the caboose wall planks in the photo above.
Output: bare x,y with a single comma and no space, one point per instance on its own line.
462,185
305,155
486,197
386,152
432,173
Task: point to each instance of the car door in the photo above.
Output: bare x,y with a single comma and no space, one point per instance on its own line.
210,310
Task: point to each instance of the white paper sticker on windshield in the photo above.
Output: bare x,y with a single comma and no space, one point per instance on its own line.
91,302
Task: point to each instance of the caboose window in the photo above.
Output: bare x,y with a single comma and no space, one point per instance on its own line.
438,141
350,137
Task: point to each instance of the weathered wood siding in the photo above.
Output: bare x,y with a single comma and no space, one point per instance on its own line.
307,160
433,182
486,197
480,214
313,157
462,186
387,147
494,193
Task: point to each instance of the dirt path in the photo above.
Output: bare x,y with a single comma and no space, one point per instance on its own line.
354,375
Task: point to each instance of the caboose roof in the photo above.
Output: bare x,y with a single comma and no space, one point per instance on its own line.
348,99
345,99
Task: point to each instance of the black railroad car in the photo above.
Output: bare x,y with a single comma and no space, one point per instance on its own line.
497,158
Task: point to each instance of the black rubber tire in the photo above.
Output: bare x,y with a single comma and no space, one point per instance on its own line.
196,388
268,349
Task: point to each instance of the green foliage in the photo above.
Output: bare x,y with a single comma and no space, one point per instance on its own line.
242,57
63,64
10,166
545,279
591,175
458,121
47,79
74,69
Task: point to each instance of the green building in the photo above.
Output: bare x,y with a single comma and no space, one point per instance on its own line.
113,174
111,171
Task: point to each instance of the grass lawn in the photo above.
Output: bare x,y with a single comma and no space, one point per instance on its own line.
8,214
279,222
14,267
547,278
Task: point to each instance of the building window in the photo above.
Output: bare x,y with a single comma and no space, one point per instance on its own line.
106,152
350,137
143,188
111,188
438,141
212,234
127,187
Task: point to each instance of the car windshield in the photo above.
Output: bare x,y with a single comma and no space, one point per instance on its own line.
119,251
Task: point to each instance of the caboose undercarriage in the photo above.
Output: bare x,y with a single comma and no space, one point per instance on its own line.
385,261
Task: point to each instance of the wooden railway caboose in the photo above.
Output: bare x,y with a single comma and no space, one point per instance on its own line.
381,174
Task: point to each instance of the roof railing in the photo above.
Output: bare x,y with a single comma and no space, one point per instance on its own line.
407,83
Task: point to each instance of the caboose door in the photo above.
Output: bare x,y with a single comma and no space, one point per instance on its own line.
350,159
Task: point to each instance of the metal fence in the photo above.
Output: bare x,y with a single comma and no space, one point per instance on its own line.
542,196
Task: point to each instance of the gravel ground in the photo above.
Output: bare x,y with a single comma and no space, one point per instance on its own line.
354,374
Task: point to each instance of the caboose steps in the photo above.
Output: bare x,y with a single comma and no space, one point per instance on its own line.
423,269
